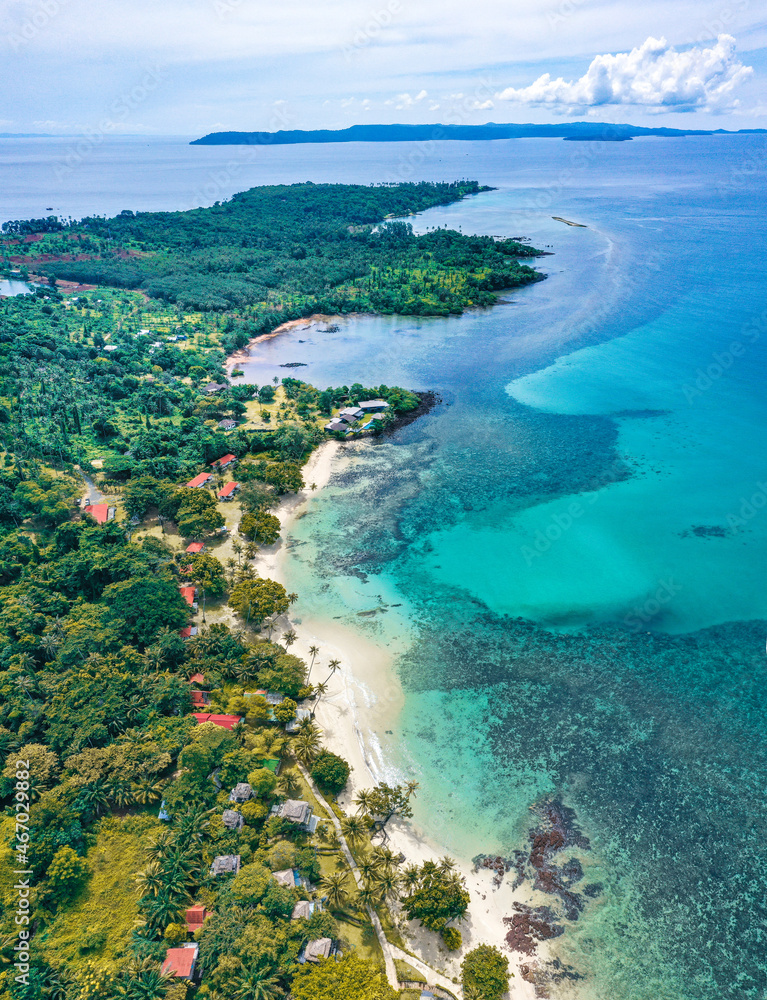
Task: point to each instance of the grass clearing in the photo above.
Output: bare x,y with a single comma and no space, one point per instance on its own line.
101,917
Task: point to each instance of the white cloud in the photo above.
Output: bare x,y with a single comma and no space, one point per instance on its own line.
482,105
406,101
654,75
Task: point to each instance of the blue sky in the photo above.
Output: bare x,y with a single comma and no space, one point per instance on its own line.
187,68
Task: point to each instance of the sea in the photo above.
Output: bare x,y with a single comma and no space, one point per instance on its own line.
576,534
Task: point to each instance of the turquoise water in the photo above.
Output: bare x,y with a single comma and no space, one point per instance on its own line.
576,535
579,536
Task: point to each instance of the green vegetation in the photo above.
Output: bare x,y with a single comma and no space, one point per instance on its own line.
118,392
485,973
278,253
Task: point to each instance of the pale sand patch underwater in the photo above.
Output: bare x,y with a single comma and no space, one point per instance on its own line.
364,698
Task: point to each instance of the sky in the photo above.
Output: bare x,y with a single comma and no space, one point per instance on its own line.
189,67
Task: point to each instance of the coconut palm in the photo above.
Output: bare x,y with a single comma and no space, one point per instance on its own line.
333,666
192,824
151,880
121,794
142,979
160,848
412,787
363,800
367,868
95,798
314,652
319,691
165,908
307,745
289,638
257,984
411,876
288,785
368,896
389,883
237,549
355,829
446,864
335,885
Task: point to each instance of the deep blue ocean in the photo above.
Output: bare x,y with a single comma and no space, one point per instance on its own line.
577,535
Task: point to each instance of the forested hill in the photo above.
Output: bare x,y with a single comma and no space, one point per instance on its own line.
280,252
604,131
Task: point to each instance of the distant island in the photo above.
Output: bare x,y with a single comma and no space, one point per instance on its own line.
594,131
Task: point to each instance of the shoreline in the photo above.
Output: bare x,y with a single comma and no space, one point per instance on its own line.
304,323
363,698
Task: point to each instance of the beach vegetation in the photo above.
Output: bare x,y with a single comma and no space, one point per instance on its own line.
330,771
346,978
485,972
435,895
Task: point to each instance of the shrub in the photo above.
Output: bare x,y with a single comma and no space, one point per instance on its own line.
452,938
330,771
486,971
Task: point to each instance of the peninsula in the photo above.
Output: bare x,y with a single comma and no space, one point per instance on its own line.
159,731
595,131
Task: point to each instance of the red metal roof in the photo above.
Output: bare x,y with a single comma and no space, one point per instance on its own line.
99,511
195,547
180,961
221,462
201,480
197,678
195,918
188,594
200,698
186,633
226,721
228,490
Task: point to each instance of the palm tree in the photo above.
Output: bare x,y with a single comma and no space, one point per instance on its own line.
389,883
292,598
142,979
335,885
363,800
410,878
288,784
150,881
306,746
121,794
160,848
237,548
289,638
446,864
192,824
368,896
333,666
319,690
314,651
257,984
355,829
95,797
239,730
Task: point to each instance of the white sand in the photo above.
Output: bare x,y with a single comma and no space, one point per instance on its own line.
363,697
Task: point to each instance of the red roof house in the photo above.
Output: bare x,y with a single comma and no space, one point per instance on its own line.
180,961
195,547
188,632
189,594
201,480
101,512
200,698
228,491
197,678
195,918
223,462
226,721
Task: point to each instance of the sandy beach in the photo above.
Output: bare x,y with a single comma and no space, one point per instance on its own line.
305,323
363,696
